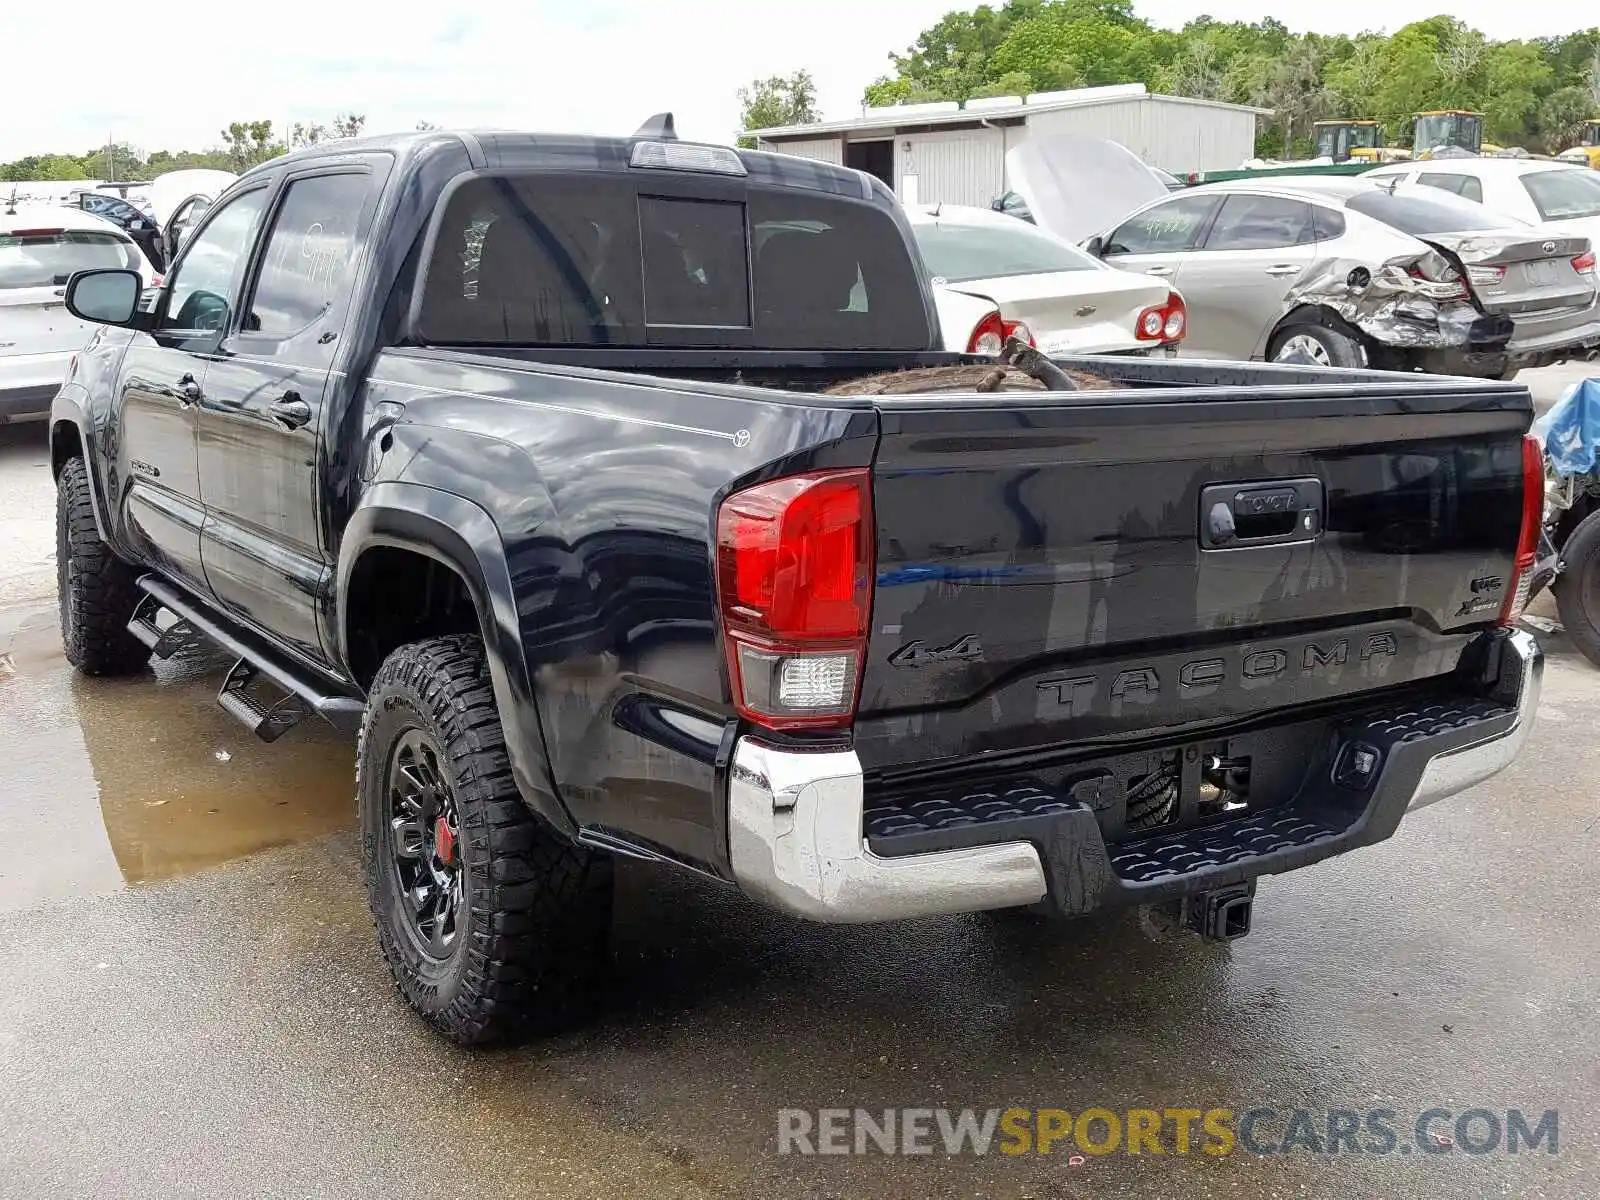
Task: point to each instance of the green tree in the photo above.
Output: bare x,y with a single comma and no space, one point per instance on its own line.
60,167
348,125
777,100
248,143
1562,115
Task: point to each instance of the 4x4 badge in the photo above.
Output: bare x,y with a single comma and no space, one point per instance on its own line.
917,654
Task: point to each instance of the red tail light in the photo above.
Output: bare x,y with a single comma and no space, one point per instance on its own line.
26,233
1166,322
1521,581
1584,263
795,559
988,335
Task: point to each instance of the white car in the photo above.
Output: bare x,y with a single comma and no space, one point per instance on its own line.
994,276
1539,191
40,248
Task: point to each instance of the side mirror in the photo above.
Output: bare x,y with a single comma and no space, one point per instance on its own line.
107,297
1095,246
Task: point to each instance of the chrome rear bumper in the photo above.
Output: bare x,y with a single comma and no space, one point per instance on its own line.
795,838
796,824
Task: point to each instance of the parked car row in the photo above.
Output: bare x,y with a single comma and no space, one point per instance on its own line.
1343,271
42,246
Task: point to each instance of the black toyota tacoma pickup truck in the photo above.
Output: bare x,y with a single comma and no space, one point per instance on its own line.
513,453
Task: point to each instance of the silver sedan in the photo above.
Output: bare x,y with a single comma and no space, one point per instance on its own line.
1340,271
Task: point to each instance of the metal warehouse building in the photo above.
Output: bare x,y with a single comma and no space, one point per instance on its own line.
930,153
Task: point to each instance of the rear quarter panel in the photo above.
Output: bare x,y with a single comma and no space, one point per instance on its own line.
604,493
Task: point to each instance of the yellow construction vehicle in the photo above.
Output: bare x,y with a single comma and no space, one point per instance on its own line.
1588,148
1448,128
1358,141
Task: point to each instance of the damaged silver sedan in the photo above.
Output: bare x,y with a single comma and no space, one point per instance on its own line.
1339,271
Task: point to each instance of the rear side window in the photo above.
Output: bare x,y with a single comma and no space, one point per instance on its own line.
48,259
1328,223
1466,186
597,260
1164,229
1422,211
1560,195
1261,223
308,253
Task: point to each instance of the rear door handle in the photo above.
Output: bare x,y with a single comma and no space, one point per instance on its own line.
189,393
1163,272
1283,269
290,411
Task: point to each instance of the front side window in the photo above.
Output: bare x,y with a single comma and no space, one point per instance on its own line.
1562,195
1165,228
199,295
1261,223
308,253
958,253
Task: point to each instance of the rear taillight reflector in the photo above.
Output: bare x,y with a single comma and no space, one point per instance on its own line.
1521,581
1584,263
24,233
1486,276
1018,330
988,335
794,588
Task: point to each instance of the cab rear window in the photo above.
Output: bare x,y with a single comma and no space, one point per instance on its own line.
585,260
47,258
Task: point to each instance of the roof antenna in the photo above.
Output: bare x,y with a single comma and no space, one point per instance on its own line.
659,128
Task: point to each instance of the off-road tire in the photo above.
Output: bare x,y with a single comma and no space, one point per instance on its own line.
96,591
1577,588
1342,351
536,908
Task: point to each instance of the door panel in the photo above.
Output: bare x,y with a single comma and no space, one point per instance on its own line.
159,388
260,427
155,457
1159,239
1235,287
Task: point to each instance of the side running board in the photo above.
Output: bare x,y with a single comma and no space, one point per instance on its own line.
195,623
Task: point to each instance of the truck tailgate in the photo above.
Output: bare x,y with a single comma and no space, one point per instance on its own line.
1100,567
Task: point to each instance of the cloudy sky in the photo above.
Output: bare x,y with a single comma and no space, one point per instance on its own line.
161,77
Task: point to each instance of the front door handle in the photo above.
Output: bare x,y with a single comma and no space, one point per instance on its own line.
189,393
290,411
1283,269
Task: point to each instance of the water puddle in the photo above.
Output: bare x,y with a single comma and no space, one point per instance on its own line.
115,781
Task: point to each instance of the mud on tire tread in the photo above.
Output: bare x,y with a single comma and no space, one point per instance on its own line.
539,907
96,591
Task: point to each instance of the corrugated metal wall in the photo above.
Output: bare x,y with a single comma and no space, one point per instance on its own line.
1176,137
828,150
956,168
968,167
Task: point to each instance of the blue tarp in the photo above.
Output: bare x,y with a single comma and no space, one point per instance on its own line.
1571,430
